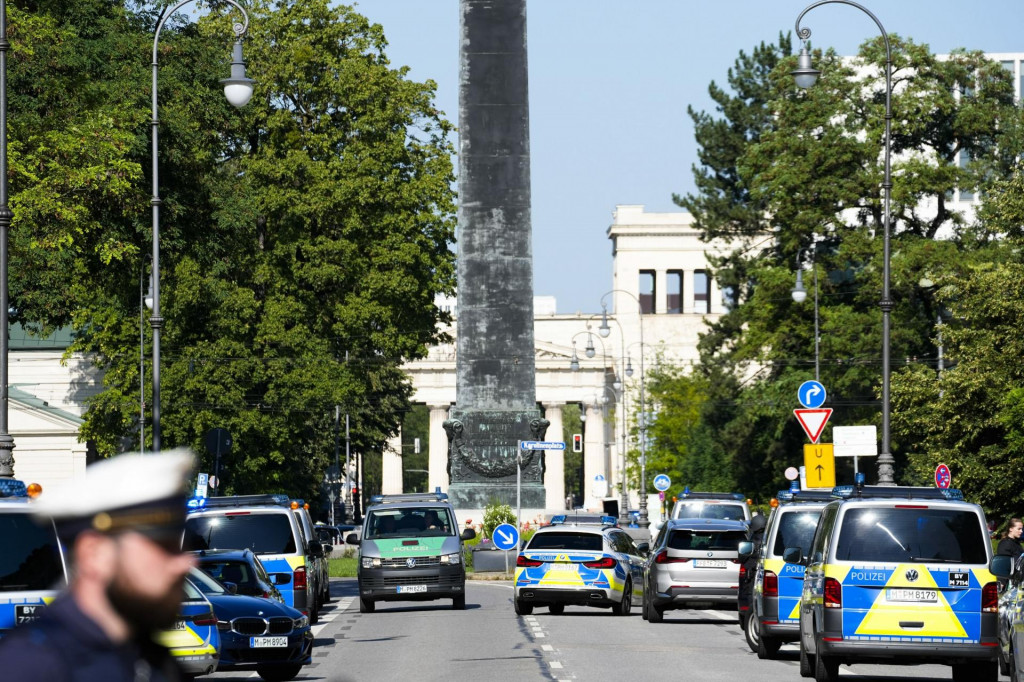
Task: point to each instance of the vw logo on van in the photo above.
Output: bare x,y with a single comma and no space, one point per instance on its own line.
410,562
911,575
711,554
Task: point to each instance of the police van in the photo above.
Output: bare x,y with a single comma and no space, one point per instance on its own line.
32,566
410,548
774,616
898,575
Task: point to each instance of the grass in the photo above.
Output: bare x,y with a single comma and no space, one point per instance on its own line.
344,567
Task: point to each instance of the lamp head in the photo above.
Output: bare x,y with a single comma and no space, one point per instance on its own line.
805,74
604,330
798,292
238,89
589,350
574,364
629,367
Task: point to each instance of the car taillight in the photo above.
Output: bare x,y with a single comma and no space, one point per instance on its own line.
833,595
299,581
662,557
990,598
743,572
205,619
523,562
770,586
606,562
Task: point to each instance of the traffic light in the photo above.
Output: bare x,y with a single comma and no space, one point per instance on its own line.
577,442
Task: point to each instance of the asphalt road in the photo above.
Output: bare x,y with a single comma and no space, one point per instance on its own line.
430,641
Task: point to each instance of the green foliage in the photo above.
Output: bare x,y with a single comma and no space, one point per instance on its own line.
495,514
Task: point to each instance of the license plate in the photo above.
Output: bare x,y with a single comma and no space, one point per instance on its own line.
709,563
907,594
564,568
179,625
267,642
27,613
411,589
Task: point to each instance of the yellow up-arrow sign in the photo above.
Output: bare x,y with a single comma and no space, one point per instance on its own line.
819,465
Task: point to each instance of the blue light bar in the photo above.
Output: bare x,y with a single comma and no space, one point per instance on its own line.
823,495
609,520
557,519
12,487
195,503
896,492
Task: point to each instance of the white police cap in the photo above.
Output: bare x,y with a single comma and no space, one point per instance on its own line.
144,492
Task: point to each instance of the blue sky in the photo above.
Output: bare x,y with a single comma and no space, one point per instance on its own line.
610,81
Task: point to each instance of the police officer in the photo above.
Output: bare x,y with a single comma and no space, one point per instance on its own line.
1010,544
121,526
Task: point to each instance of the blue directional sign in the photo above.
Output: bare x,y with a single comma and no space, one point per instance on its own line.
811,394
662,482
506,536
542,445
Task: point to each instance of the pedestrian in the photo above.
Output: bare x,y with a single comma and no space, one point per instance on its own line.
1010,544
121,525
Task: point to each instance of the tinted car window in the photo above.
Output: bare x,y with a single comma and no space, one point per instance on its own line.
205,583
406,522
584,542
796,529
623,544
701,510
262,533
912,534
29,554
705,540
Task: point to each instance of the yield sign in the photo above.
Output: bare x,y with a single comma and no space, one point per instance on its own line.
813,421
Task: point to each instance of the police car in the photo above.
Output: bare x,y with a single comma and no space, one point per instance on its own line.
585,565
31,558
898,575
774,615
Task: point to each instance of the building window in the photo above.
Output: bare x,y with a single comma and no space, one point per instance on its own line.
965,158
647,291
701,291
674,295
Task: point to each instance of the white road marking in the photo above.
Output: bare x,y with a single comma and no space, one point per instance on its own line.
556,665
547,647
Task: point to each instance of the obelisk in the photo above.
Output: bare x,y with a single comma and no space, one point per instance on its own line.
495,400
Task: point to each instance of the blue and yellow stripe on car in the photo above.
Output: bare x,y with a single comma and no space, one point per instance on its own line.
284,563
790,584
567,570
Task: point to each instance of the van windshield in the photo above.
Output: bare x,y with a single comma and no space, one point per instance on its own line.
912,533
796,529
262,533
409,522
708,510
29,554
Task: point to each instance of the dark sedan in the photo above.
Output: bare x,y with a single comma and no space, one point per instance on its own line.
242,570
257,634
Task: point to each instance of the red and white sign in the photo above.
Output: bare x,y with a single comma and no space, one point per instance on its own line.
813,421
943,478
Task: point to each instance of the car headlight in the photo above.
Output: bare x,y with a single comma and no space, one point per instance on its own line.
371,562
301,622
451,558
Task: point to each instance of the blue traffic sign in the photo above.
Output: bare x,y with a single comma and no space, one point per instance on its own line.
811,394
542,445
662,482
506,536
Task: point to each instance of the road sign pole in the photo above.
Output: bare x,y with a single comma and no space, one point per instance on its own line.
519,496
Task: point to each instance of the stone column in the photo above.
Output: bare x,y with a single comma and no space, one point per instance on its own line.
554,460
391,468
593,451
437,460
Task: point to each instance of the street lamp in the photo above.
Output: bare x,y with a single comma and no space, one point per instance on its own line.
805,76
238,89
605,330
800,295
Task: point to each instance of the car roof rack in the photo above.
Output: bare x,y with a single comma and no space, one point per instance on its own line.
895,492
276,500
823,495
711,496
436,496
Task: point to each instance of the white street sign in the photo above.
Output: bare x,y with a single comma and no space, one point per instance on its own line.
542,445
855,441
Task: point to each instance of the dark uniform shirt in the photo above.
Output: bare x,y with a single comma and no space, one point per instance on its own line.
65,645
1009,547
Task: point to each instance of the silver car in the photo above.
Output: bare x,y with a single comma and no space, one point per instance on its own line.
694,563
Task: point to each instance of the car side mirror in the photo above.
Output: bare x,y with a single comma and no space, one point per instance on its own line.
745,549
232,588
644,548
1001,566
351,539
467,534
316,550
793,555
281,578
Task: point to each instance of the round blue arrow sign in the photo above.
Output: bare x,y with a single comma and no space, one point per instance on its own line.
662,482
506,536
811,394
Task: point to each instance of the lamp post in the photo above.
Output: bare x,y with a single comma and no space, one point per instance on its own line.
806,75
238,89
6,440
800,295
605,330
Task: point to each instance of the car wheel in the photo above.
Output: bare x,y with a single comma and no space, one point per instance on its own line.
314,613
521,608
557,609
806,663
1012,665
459,602
655,614
626,605
367,605
753,632
987,671
281,673
767,647
826,669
